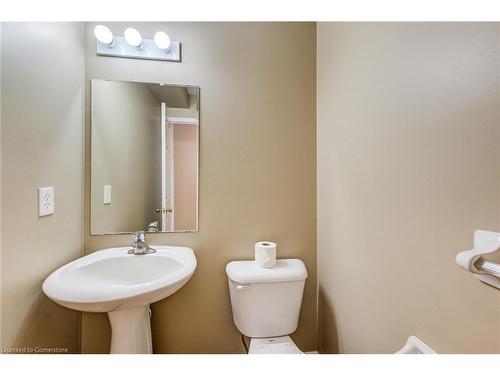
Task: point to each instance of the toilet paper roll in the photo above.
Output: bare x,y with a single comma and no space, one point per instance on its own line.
265,254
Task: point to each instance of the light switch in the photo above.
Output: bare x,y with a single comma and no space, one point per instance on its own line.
45,201
107,194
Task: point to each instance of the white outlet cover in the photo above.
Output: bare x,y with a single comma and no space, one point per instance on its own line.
45,201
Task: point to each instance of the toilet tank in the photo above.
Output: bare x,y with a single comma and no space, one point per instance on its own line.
266,301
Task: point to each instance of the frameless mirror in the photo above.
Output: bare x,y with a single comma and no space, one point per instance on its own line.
144,157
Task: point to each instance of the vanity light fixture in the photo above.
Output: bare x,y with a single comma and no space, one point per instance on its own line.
162,40
133,37
132,45
103,34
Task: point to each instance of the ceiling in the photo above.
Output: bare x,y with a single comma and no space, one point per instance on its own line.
174,96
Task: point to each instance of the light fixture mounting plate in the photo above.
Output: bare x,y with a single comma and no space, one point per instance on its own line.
147,51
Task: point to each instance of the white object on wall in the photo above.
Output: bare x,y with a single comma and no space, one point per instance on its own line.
162,40
45,201
107,194
147,50
103,34
415,346
132,45
133,37
265,254
485,242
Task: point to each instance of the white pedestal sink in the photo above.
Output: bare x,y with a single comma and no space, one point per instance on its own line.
123,285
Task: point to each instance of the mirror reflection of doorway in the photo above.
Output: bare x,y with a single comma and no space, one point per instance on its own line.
167,179
179,172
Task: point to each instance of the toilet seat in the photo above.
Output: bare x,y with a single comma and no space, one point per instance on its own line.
273,345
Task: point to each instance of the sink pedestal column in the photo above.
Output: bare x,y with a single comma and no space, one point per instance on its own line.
131,331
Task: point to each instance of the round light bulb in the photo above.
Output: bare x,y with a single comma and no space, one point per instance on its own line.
133,37
162,40
103,34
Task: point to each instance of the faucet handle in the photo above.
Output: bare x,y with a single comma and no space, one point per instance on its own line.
138,236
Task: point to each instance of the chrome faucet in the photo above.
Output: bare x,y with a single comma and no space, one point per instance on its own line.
139,246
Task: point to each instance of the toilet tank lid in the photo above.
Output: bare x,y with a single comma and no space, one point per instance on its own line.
247,271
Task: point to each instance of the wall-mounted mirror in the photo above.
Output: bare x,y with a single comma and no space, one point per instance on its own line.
144,157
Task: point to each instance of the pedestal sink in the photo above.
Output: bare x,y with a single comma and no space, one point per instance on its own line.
123,285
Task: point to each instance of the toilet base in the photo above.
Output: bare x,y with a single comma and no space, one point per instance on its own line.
273,345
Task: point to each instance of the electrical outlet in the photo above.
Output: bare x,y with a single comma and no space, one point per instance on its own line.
45,201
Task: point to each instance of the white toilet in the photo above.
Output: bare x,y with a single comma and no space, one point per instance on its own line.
266,303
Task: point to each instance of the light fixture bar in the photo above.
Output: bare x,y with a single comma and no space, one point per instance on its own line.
147,51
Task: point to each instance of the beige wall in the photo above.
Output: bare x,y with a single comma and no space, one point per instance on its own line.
0,186
257,169
42,145
408,167
126,154
185,176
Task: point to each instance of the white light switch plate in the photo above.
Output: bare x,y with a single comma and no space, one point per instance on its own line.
107,194
45,201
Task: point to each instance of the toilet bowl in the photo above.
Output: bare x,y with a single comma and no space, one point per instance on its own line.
266,303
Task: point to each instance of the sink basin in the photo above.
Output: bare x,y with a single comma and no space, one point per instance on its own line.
123,285
111,279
